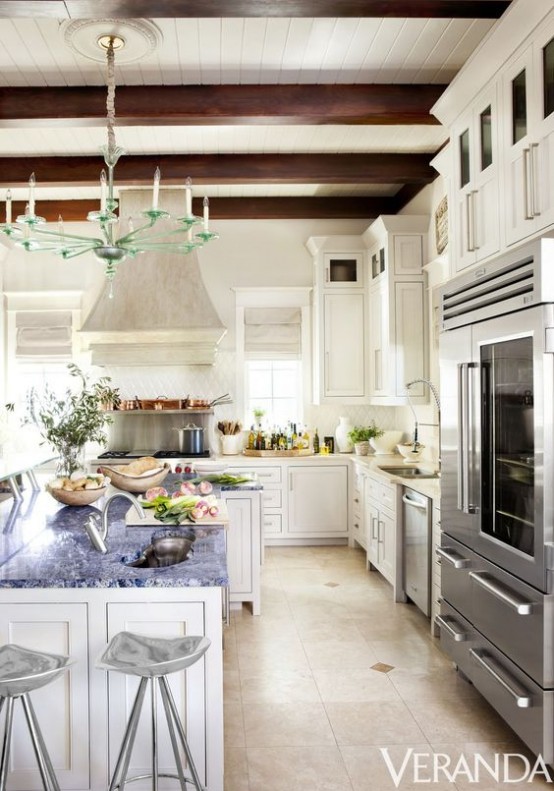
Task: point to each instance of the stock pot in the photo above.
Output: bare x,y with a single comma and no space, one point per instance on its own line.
191,439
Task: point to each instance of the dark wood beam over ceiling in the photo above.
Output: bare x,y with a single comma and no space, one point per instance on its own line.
157,9
224,169
209,105
277,208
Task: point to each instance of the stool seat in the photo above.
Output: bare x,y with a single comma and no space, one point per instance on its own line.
22,670
140,655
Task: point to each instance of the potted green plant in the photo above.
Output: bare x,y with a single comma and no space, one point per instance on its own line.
70,420
360,436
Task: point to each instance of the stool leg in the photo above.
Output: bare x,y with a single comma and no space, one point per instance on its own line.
5,760
124,757
49,779
174,744
154,716
166,691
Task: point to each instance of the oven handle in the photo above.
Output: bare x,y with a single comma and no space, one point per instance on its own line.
519,693
456,634
520,606
452,557
466,446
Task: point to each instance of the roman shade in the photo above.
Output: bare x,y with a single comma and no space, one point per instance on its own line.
272,332
43,334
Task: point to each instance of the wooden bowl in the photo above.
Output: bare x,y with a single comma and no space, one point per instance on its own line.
77,497
136,484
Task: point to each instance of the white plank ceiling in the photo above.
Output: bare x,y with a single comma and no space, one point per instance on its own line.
243,51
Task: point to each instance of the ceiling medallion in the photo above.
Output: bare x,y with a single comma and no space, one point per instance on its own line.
88,37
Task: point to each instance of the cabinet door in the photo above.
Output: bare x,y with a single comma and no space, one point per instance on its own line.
410,337
172,619
387,546
344,347
318,501
343,270
358,533
379,341
476,216
371,518
62,707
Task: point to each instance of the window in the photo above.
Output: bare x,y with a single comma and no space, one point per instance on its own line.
276,387
273,352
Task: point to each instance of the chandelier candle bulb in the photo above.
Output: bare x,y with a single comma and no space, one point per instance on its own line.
32,185
103,188
156,192
8,207
188,197
206,205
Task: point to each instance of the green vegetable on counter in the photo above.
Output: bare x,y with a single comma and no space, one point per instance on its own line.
223,479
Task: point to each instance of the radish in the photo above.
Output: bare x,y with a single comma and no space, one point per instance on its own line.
155,491
205,487
188,487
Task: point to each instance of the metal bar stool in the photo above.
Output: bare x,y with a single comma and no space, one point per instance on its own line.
153,658
21,671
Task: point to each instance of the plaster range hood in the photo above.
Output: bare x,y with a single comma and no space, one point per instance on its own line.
160,312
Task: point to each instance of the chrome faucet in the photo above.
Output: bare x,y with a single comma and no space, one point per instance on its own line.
98,537
433,389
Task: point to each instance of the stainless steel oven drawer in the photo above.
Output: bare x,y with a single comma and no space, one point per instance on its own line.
515,617
457,636
456,561
526,707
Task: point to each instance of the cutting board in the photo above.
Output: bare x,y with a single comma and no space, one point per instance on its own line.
132,519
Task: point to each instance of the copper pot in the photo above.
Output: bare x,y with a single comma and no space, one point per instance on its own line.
197,403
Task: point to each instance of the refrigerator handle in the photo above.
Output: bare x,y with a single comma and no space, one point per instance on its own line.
466,445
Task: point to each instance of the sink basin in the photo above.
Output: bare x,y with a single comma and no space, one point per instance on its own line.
409,472
167,549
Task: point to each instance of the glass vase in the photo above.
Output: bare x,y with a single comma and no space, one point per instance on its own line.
71,458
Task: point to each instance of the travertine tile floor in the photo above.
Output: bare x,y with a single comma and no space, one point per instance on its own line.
309,699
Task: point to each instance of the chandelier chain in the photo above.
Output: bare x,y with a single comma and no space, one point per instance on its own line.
110,101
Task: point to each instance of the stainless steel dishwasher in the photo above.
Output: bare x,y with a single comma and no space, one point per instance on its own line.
416,531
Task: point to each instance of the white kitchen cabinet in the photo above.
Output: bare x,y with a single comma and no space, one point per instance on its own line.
318,501
383,541
339,320
83,712
475,218
397,336
344,353
244,547
62,707
357,525
528,136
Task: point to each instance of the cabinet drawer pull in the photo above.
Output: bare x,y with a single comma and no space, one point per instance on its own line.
521,606
533,161
528,189
452,557
443,622
493,668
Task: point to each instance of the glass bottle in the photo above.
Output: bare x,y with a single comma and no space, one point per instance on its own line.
316,442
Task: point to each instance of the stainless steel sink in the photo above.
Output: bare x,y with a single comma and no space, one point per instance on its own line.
167,549
410,472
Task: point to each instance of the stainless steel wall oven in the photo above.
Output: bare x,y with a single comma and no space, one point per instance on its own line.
497,488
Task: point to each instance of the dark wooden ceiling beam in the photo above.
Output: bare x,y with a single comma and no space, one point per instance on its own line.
163,105
224,169
125,9
277,208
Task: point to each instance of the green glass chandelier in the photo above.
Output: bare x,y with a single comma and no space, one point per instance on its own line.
30,233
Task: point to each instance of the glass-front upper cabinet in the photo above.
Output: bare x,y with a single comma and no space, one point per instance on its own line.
343,270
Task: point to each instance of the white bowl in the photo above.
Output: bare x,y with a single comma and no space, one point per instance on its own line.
209,467
407,450
386,443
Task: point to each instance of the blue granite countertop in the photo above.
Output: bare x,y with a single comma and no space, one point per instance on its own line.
43,545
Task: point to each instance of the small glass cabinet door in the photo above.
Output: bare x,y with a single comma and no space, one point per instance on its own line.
343,270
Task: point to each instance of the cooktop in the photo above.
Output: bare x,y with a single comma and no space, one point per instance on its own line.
157,454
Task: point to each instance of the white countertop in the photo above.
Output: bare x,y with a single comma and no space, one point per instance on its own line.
426,486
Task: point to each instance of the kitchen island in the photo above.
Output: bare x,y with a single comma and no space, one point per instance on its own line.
58,594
